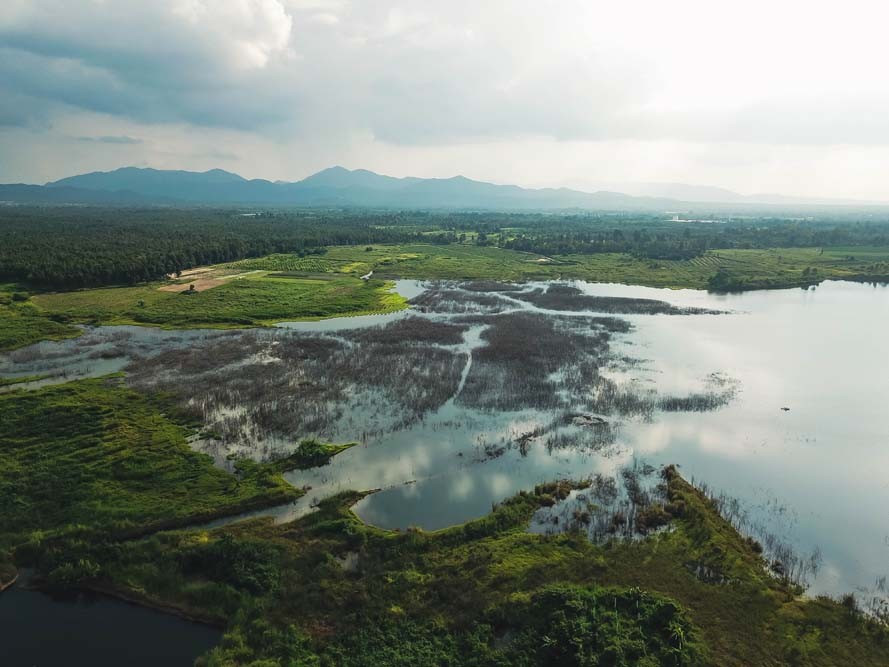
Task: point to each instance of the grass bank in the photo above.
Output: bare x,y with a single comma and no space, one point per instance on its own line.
22,323
257,299
250,301
330,590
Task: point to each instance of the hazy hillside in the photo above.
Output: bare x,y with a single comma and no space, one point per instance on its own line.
340,187
334,187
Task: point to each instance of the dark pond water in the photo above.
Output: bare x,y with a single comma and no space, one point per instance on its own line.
37,630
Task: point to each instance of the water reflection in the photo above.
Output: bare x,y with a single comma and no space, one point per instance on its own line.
442,452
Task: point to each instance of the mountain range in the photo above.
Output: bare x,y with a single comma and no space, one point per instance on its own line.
340,187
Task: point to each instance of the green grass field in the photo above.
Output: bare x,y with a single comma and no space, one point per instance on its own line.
252,301
749,269
21,323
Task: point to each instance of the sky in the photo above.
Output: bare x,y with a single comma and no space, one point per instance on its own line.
757,96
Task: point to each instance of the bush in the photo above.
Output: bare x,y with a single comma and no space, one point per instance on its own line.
71,574
246,564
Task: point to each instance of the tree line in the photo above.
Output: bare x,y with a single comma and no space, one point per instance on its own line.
82,247
71,247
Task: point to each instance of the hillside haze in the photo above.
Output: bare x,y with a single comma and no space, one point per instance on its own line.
336,186
341,187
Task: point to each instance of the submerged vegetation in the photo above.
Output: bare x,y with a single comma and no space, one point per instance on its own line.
567,297
259,391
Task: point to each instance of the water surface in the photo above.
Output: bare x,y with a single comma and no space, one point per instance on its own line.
40,631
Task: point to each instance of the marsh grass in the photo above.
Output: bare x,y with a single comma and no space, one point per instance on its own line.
569,298
282,386
444,300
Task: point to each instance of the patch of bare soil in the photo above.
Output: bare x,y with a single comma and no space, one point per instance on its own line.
190,273
200,285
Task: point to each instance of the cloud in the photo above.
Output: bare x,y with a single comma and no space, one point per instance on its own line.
123,139
304,79
165,61
427,73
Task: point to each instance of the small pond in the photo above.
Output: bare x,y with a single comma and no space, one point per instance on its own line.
37,630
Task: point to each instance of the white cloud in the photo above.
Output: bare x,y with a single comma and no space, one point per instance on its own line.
727,88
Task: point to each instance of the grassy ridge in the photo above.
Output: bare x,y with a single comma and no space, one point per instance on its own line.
254,300
9,382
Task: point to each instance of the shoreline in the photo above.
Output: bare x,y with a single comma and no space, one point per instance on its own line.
6,585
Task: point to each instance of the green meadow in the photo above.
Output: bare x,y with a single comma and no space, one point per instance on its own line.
748,269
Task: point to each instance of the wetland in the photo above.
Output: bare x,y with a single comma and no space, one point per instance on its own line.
471,401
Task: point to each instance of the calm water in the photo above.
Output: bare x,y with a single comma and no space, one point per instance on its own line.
38,631
817,474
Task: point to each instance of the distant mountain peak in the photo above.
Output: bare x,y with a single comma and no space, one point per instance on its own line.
150,182
340,177
340,186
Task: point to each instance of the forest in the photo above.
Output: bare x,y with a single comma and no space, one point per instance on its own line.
73,247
